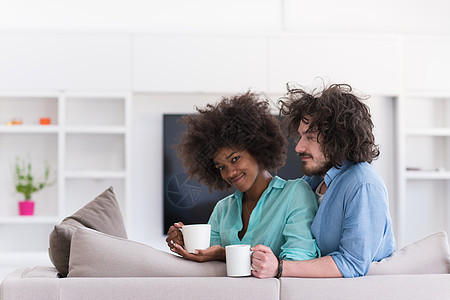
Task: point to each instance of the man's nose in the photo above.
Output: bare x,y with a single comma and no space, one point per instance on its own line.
300,147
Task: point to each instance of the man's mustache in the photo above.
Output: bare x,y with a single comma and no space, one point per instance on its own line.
304,154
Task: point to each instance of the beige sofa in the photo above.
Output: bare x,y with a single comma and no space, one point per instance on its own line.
91,248
107,267
42,283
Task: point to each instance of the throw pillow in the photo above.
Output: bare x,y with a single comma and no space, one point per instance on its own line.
102,214
96,254
427,256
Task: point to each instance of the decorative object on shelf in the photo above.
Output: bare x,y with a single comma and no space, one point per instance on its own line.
15,121
44,121
26,184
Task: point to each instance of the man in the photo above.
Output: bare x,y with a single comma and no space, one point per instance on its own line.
352,226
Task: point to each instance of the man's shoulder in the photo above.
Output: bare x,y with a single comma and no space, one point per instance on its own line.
363,173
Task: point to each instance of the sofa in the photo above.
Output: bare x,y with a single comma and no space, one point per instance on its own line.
93,259
42,283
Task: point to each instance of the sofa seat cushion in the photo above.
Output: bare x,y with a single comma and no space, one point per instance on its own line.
221,288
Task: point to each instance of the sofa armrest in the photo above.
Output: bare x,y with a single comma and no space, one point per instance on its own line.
423,286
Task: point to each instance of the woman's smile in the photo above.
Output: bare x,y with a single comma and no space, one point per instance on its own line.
236,180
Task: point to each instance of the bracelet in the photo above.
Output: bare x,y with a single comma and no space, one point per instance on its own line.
280,267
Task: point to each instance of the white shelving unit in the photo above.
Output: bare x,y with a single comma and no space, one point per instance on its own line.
424,164
87,144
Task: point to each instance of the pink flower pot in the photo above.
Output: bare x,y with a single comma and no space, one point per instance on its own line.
26,208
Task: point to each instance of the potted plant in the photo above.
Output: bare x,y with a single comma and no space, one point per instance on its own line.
27,185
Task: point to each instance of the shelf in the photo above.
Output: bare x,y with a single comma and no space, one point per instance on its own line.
428,132
428,94
29,220
29,129
94,174
23,258
428,175
96,129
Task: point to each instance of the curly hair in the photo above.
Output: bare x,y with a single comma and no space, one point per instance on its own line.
241,122
342,120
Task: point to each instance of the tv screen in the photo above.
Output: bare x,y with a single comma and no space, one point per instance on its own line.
187,200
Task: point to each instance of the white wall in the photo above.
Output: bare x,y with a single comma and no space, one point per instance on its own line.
323,16
202,29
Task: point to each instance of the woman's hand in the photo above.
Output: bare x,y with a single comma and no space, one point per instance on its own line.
174,236
264,262
215,252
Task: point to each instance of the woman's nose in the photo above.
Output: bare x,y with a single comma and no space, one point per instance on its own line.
231,172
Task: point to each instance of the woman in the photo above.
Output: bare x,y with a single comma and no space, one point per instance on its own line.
235,144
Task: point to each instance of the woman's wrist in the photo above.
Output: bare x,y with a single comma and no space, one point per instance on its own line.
222,256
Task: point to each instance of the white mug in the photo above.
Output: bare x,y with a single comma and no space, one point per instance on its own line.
196,236
238,259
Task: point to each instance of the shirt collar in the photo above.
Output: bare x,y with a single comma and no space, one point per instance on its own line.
276,183
334,172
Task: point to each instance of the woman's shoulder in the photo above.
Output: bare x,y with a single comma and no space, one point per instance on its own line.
298,183
227,201
298,187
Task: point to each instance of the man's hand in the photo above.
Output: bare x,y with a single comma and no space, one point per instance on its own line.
264,262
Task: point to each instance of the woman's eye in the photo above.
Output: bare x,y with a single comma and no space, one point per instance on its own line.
220,168
235,159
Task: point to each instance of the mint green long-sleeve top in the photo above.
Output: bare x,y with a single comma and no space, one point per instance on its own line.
281,220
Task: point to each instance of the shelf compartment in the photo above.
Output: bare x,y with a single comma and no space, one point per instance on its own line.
429,153
12,108
434,112
41,148
80,191
95,152
427,208
95,111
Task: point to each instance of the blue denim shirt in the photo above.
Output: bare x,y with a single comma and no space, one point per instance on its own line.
281,220
353,224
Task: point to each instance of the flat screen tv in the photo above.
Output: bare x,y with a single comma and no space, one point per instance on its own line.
189,201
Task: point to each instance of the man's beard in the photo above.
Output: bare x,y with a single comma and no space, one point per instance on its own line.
318,170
